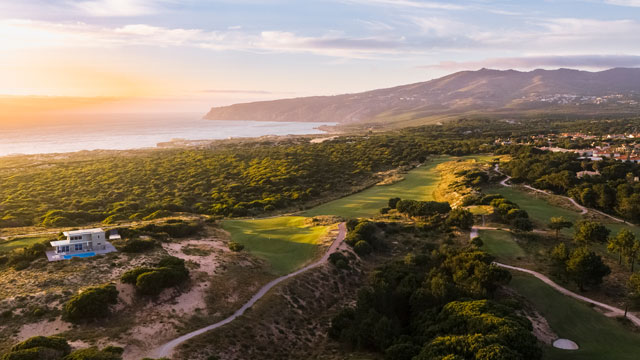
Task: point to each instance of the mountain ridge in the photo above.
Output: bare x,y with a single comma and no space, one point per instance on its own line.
484,90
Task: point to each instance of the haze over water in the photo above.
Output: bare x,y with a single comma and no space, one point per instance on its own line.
133,131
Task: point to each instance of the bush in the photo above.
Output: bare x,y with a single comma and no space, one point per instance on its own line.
338,260
92,353
153,282
92,303
51,342
235,246
362,248
131,276
477,242
175,228
36,353
170,271
135,245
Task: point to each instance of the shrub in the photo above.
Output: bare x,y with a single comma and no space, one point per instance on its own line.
131,276
362,248
477,242
170,271
92,303
51,342
135,245
338,260
235,246
157,215
93,353
153,282
36,353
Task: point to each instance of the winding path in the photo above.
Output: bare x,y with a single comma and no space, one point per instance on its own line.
612,311
167,348
583,210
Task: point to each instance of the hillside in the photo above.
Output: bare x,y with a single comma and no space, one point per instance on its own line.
614,90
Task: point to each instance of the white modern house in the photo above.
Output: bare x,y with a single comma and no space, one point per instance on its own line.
80,243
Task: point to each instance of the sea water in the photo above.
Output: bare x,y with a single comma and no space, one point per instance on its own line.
133,131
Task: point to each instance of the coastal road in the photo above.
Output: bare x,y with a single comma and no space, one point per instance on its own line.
166,349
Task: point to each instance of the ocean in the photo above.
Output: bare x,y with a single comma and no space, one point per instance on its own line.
134,131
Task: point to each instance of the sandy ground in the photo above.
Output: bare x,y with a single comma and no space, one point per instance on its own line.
157,321
44,328
167,348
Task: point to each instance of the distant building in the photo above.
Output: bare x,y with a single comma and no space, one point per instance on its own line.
80,243
581,174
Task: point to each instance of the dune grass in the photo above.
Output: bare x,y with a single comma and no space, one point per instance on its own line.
598,336
287,242
500,244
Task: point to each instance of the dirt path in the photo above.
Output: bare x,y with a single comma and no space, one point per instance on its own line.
583,210
167,348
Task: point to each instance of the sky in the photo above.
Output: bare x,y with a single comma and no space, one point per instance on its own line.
193,54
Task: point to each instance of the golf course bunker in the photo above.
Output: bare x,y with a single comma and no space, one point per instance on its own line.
565,344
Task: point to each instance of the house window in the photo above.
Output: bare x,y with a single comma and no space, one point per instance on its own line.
78,247
63,249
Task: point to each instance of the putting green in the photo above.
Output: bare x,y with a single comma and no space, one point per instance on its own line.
287,242
598,336
500,244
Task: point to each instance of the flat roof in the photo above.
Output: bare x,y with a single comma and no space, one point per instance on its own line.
60,243
83,232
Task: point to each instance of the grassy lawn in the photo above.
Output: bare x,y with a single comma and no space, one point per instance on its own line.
286,242
539,209
599,337
21,242
418,184
500,244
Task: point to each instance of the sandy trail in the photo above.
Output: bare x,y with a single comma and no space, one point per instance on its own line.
167,348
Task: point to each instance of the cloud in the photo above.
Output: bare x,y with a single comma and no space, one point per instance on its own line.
24,34
411,4
117,7
632,3
532,62
252,92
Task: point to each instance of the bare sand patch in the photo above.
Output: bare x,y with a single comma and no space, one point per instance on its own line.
44,328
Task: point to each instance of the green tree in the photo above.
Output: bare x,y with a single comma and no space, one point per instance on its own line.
586,268
559,223
622,244
522,224
633,292
560,254
588,232
461,218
